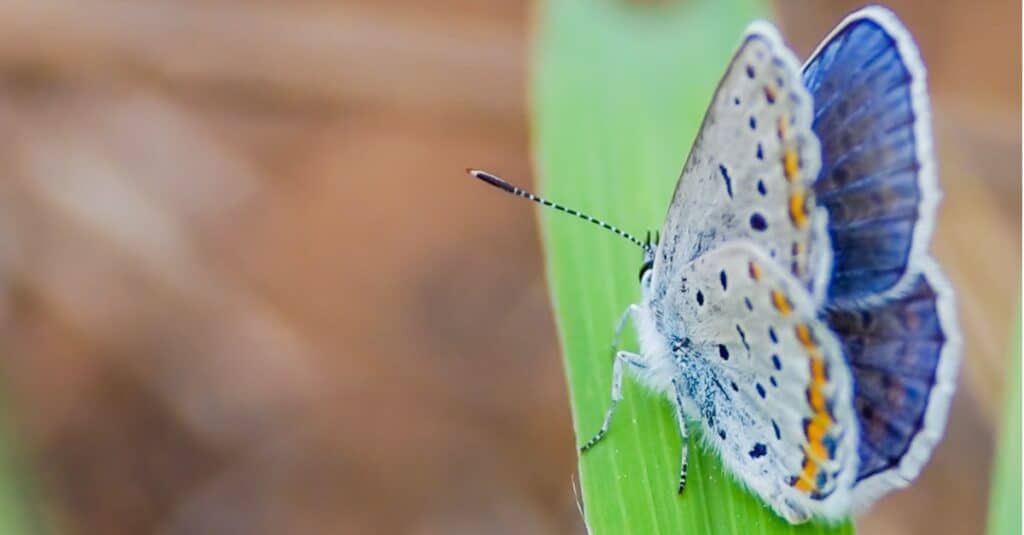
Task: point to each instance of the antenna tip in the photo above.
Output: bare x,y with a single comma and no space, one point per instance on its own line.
491,179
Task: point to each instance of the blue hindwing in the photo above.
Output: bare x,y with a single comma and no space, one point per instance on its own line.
894,350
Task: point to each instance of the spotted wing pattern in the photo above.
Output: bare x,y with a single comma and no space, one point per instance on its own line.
766,377
750,170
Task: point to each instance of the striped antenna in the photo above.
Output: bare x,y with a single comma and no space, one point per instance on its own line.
501,184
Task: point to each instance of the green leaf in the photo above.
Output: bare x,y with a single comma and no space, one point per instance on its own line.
1004,505
619,90
18,512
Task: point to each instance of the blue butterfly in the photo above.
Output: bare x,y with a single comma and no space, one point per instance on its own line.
791,305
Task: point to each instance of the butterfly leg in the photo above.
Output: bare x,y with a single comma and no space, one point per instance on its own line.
683,434
792,512
629,313
622,359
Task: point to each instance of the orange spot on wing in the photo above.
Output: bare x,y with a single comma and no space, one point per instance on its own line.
797,213
781,302
790,163
817,398
755,271
803,333
805,481
818,426
816,390
815,430
818,451
802,484
818,370
782,127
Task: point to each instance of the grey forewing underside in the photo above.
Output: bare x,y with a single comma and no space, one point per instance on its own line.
749,172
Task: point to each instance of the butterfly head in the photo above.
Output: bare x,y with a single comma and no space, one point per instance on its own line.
649,248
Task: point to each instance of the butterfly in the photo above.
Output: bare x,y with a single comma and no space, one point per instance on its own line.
789,304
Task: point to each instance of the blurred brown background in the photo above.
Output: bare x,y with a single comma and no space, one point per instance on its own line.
246,288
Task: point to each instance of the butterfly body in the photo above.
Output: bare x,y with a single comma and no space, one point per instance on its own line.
791,307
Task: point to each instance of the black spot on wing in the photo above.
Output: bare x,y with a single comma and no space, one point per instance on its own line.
759,450
726,178
757,222
743,338
723,352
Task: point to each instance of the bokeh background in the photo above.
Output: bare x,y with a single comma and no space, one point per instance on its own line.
245,286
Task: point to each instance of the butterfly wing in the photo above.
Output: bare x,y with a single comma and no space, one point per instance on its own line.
767,378
904,355
750,170
878,176
888,302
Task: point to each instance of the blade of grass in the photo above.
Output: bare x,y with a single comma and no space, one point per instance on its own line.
18,513
619,91
1004,504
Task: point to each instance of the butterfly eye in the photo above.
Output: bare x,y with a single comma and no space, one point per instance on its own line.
645,268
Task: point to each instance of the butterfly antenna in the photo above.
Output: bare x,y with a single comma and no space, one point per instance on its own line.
519,192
